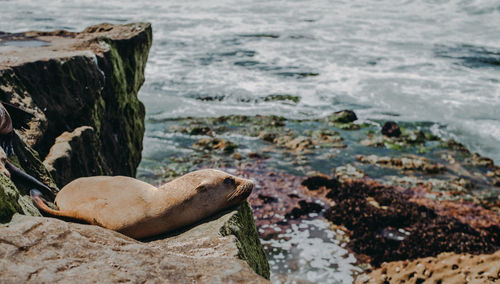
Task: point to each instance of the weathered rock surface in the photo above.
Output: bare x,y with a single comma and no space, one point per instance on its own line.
14,193
445,268
43,250
74,154
63,80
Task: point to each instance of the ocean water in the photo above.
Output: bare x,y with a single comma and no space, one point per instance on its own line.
425,60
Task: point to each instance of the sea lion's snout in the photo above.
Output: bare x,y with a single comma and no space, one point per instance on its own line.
243,189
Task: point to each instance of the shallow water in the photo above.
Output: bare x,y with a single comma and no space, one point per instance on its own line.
310,253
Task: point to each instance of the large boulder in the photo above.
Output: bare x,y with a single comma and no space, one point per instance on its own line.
59,81
47,250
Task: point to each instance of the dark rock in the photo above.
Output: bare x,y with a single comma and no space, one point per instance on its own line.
405,163
391,129
253,155
343,116
267,199
215,144
316,182
282,97
304,209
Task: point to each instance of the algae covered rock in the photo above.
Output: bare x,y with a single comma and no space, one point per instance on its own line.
80,79
14,194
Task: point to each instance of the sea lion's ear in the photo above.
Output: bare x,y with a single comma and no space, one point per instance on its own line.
202,187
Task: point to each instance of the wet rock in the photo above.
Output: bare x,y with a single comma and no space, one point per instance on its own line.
316,182
299,144
304,209
405,163
253,155
268,136
343,116
479,161
75,154
326,138
375,214
391,129
282,97
215,144
267,198
454,185
454,145
348,171
199,130
445,268
407,138
41,250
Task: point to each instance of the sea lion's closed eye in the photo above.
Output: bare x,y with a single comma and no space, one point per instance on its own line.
229,181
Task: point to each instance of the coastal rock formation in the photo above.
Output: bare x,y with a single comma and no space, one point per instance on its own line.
63,80
405,163
445,268
74,154
14,193
42,250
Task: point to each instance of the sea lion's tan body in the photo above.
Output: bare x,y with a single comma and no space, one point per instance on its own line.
138,209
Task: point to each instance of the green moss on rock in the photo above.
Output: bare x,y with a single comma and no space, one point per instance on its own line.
8,199
250,249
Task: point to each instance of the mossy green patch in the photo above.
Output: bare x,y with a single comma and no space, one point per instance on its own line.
250,249
8,199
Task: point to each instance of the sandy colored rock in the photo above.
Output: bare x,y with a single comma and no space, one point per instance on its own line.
405,163
47,250
445,268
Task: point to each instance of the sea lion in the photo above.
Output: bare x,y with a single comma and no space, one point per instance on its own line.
5,121
139,210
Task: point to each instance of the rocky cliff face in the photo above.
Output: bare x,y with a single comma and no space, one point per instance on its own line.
60,81
73,102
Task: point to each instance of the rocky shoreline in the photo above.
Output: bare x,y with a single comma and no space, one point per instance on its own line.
74,106
396,197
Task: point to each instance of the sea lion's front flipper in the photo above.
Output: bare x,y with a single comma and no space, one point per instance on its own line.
15,172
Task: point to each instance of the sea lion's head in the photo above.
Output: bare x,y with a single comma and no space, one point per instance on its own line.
5,121
210,188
